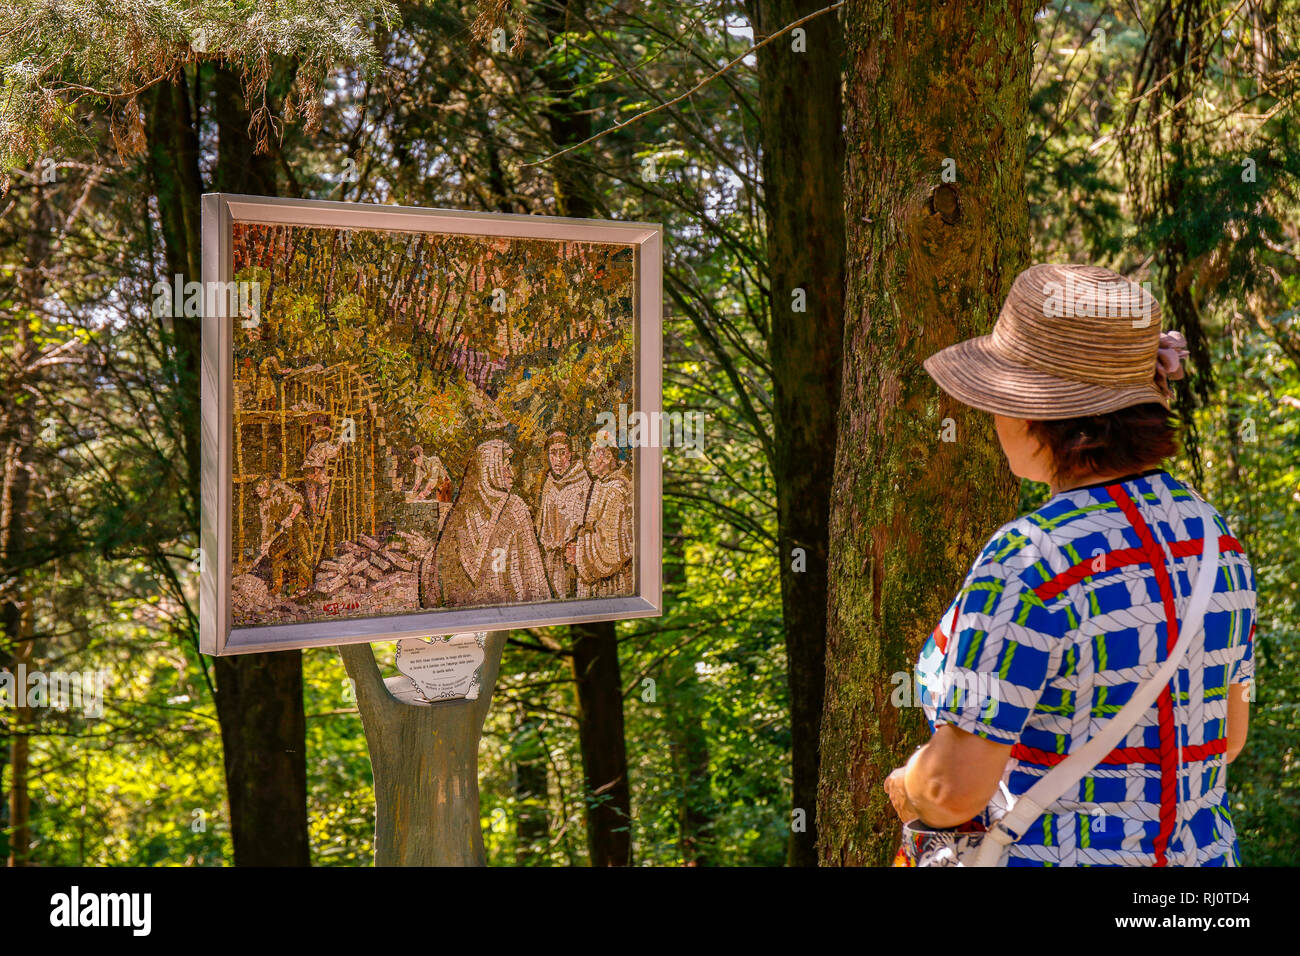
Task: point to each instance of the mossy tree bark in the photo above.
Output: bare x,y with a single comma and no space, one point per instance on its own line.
799,79
930,262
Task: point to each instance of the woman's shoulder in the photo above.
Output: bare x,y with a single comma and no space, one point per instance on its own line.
1091,522
1019,548
1046,541
1155,496
1070,515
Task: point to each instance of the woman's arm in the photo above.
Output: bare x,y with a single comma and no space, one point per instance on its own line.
952,778
1238,719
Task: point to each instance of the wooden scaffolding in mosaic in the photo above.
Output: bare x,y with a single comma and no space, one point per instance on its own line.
274,422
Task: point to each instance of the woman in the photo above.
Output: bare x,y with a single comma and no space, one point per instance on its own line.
1069,609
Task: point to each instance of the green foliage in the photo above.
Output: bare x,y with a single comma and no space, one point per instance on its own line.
341,800
76,53
1251,442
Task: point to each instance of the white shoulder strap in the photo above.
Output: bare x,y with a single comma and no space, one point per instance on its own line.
1031,804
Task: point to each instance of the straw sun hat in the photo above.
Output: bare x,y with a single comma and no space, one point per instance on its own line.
1070,341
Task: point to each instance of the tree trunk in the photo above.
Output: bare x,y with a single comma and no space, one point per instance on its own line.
604,750
930,263
682,710
259,697
568,113
239,167
803,158
425,761
20,803
595,646
173,152
15,612
264,741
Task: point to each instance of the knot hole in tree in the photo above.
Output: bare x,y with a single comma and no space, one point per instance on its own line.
945,202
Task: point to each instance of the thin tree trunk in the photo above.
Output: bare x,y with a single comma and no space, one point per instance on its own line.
17,629
20,804
259,697
15,613
681,700
9,628
803,158
930,263
604,750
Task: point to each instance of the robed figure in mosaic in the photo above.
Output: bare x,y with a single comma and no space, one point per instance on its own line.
560,515
487,552
603,550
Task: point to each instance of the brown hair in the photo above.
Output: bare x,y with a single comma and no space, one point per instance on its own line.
1121,442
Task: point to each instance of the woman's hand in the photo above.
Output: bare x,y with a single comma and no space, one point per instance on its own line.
898,796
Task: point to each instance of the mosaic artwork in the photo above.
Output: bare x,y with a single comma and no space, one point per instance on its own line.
415,423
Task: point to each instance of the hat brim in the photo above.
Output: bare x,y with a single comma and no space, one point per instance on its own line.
974,374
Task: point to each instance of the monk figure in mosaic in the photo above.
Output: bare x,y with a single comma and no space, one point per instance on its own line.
603,549
564,503
487,551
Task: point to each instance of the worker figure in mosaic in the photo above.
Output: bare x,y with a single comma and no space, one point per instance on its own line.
268,375
286,538
315,470
429,475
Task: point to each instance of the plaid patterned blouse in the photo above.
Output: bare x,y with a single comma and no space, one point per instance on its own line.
1063,615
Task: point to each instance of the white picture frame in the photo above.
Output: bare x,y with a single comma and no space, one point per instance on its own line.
218,637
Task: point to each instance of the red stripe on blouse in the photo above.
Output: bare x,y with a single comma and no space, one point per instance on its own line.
1166,729
1123,557
1123,755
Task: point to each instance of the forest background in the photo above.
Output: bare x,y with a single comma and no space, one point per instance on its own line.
752,723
